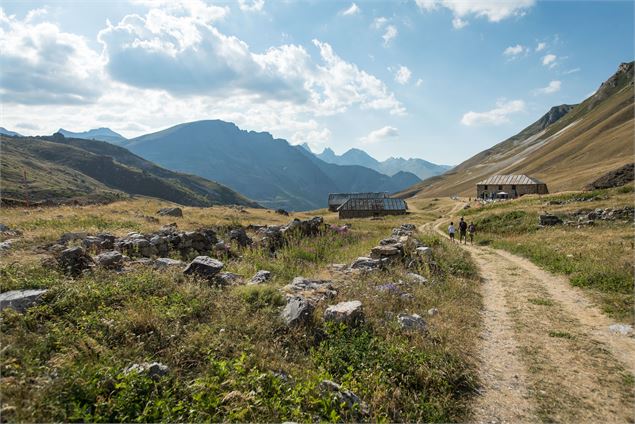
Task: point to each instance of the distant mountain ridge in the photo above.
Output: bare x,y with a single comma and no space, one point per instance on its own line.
268,170
61,169
101,134
391,166
4,131
568,147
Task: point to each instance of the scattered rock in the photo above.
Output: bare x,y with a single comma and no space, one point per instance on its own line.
433,311
282,212
548,220
346,397
240,236
386,251
74,260
260,277
349,313
170,212
297,311
112,259
416,278
66,237
229,279
20,300
616,178
6,245
412,322
204,266
424,251
163,263
404,230
311,288
154,370
366,263
622,329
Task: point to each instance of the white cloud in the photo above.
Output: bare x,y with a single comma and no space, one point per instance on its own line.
43,65
352,10
497,116
493,10
195,9
419,82
541,46
549,60
379,135
251,6
514,50
403,74
458,23
379,22
553,87
389,35
572,71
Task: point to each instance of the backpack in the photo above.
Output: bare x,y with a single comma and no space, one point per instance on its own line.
463,225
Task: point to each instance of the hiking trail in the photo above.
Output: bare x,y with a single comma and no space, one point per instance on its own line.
546,351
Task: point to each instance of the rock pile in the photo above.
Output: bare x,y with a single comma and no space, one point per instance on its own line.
584,217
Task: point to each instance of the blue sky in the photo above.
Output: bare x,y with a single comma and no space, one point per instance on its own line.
436,79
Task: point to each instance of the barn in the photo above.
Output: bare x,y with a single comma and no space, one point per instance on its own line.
338,199
509,187
369,207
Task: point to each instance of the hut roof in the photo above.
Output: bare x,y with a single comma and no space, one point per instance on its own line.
384,204
340,198
509,179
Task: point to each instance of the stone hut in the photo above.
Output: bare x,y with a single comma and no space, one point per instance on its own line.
338,199
369,207
509,187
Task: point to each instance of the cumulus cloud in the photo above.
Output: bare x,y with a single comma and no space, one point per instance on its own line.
43,65
458,23
497,116
492,10
352,10
402,75
514,50
552,87
541,46
251,6
382,134
390,33
549,60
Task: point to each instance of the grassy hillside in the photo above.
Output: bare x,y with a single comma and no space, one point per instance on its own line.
60,169
230,356
567,148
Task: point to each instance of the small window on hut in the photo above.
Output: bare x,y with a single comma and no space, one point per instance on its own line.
485,188
500,187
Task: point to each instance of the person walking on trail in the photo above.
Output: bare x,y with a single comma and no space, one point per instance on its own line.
451,231
463,231
471,229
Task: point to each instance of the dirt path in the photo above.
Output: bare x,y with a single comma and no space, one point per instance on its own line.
547,353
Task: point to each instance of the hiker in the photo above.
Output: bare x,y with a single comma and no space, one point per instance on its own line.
463,231
471,229
451,231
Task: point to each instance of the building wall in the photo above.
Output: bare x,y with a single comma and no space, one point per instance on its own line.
368,214
520,190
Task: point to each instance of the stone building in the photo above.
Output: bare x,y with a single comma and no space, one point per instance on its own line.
338,199
369,207
509,187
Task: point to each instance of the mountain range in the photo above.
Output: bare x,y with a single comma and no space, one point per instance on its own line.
4,131
60,169
101,134
421,168
568,147
268,170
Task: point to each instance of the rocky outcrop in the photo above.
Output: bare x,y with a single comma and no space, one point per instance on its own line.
204,266
74,261
616,178
260,277
20,300
298,310
110,260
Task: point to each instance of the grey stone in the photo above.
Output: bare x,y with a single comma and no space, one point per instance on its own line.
154,370
240,236
424,251
229,279
548,220
7,244
112,259
364,262
346,397
298,310
416,278
622,329
204,266
412,322
313,288
66,237
260,277
20,300
433,311
388,241
386,251
163,263
349,313
170,212
74,260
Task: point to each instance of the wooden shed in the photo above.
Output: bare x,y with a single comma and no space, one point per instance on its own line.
364,208
338,199
509,187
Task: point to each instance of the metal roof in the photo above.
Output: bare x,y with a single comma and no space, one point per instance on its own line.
339,198
510,179
374,205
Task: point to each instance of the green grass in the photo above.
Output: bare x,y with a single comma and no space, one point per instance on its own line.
540,301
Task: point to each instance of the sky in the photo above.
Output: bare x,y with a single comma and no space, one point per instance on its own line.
436,79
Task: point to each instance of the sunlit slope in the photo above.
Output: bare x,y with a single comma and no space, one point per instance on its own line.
567,148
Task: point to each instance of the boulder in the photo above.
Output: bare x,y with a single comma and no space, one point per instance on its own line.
20,300
74,260
345,397
349,313
260,277
170,212
412,322
154,370
204,266
386,251
548,220
416,278
367,263
311,288
297,311
240,236
163,263
112,259
424,251
388,241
